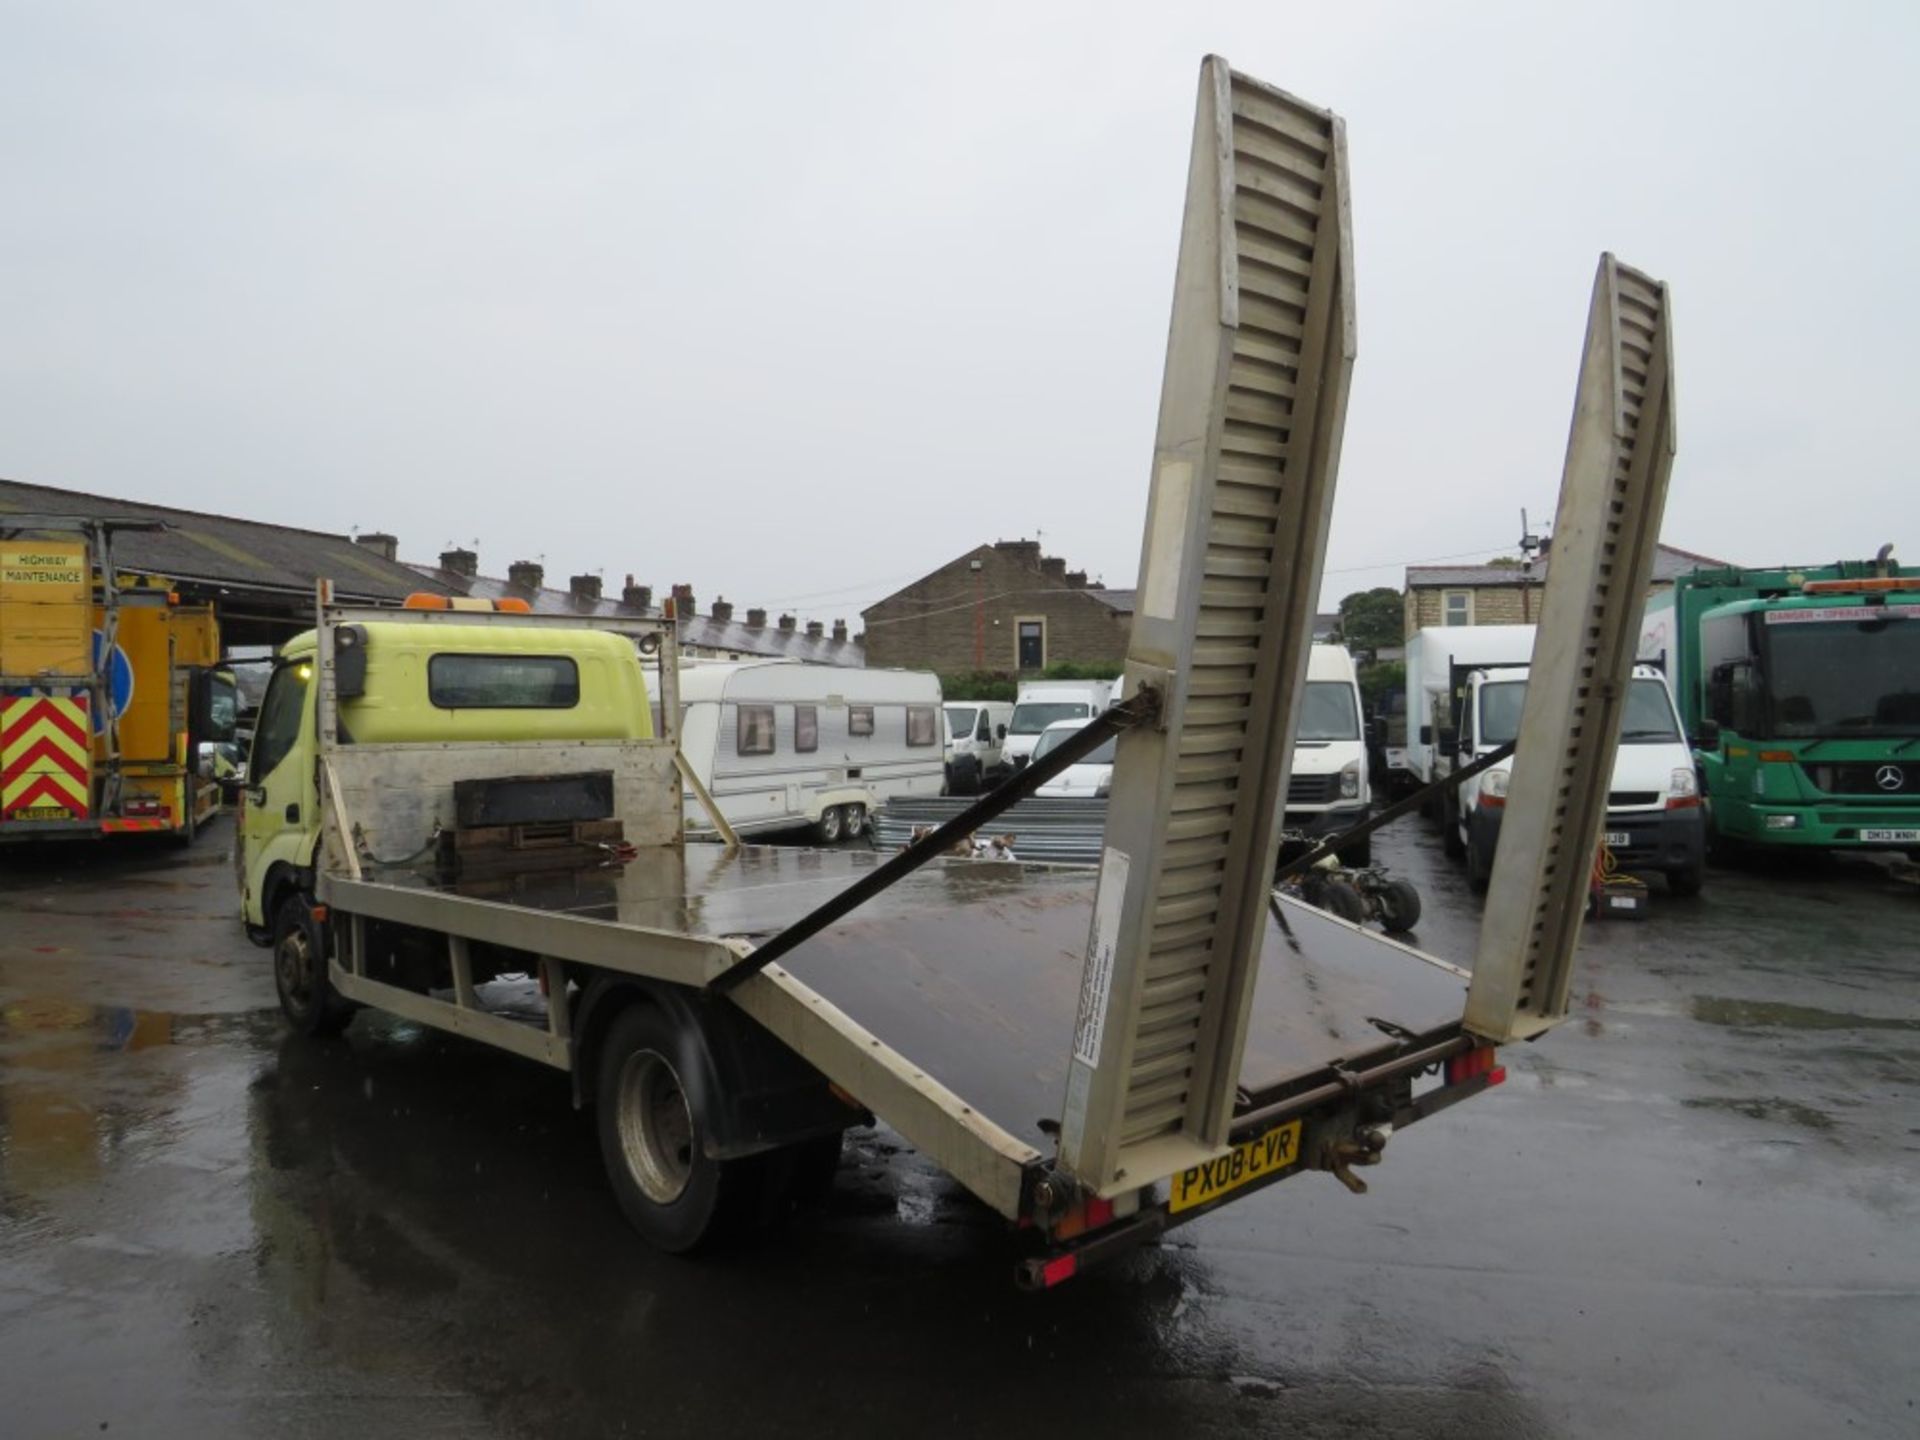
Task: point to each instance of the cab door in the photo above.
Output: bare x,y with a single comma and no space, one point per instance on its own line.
280,815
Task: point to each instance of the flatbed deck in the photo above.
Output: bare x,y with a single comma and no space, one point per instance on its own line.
971,969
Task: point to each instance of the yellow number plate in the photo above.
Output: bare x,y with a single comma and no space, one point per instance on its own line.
1248,1161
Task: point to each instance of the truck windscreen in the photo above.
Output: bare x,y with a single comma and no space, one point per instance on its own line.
1844,678
1036,715
1649,719
1328,712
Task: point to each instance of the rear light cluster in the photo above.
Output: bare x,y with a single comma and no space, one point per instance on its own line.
144,807
1474,1064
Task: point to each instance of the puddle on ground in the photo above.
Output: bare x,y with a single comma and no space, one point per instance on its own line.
1754,1014
1766,1107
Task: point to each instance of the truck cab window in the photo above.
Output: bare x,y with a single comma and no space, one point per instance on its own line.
503,682
280,716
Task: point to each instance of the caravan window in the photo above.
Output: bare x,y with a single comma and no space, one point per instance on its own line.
755,735
921,729
806,728
860,719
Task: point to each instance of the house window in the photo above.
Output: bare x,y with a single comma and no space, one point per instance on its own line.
1030,644
755,734
806,728
860,720
921,727
1456,607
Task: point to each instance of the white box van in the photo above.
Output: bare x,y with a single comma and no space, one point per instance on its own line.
976,736
1435,656
1328,790
1040,703
781,744
1654,820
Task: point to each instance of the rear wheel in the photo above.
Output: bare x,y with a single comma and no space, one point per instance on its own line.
1336,897
829,826
307,997
652,1128
1450,839
854,823
1399,907
1479,867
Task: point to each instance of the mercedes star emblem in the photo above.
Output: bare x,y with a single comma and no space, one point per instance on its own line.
1890,777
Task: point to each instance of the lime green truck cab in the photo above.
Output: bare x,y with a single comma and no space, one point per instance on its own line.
417,684
1800,691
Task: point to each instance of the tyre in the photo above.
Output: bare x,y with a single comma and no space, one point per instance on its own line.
853,823
1479,867
1399,907
1336,897
1450,840
1688,881
829,826
307,998
652,1129
1358,855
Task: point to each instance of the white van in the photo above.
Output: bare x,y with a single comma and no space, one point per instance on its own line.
1088,778
1654,820
1328,790
976,735
781,744
1040,703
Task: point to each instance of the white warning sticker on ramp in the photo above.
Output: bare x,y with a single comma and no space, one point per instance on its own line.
1096,982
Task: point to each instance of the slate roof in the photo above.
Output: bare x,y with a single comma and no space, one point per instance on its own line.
222,552
699,630
1121,600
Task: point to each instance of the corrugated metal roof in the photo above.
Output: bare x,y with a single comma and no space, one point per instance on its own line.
703,631
222,551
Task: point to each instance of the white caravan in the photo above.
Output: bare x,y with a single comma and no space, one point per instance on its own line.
781,744
1328,790
1040,703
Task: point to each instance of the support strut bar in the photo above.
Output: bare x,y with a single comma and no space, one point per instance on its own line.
1143,706
1390,814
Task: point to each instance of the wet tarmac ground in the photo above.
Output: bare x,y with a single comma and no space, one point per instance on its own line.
1691,1211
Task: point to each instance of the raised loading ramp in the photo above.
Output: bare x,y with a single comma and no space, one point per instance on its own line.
1253,403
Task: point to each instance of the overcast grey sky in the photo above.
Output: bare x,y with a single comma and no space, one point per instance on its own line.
797,302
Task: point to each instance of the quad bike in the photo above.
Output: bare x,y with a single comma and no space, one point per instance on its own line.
1357,895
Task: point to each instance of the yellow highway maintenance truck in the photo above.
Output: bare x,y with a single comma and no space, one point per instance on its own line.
111,690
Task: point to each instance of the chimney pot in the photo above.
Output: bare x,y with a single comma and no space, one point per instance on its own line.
756,619
1077,579
840,630
528,574
640,597
723,610
815,629
683,606
585,587
1054,566
786,622
460,562
386,546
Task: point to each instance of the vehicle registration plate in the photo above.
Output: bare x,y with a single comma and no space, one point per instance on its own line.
1618,839
1248,1161
1909,837
42,812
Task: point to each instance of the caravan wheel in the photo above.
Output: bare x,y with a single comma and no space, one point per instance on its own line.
827,827
855,823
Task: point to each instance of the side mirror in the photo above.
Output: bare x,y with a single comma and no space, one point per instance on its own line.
1426,735
1001,732
1449,741
1709,736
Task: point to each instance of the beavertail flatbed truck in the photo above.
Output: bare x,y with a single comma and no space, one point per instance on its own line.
1098,1057
109,688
